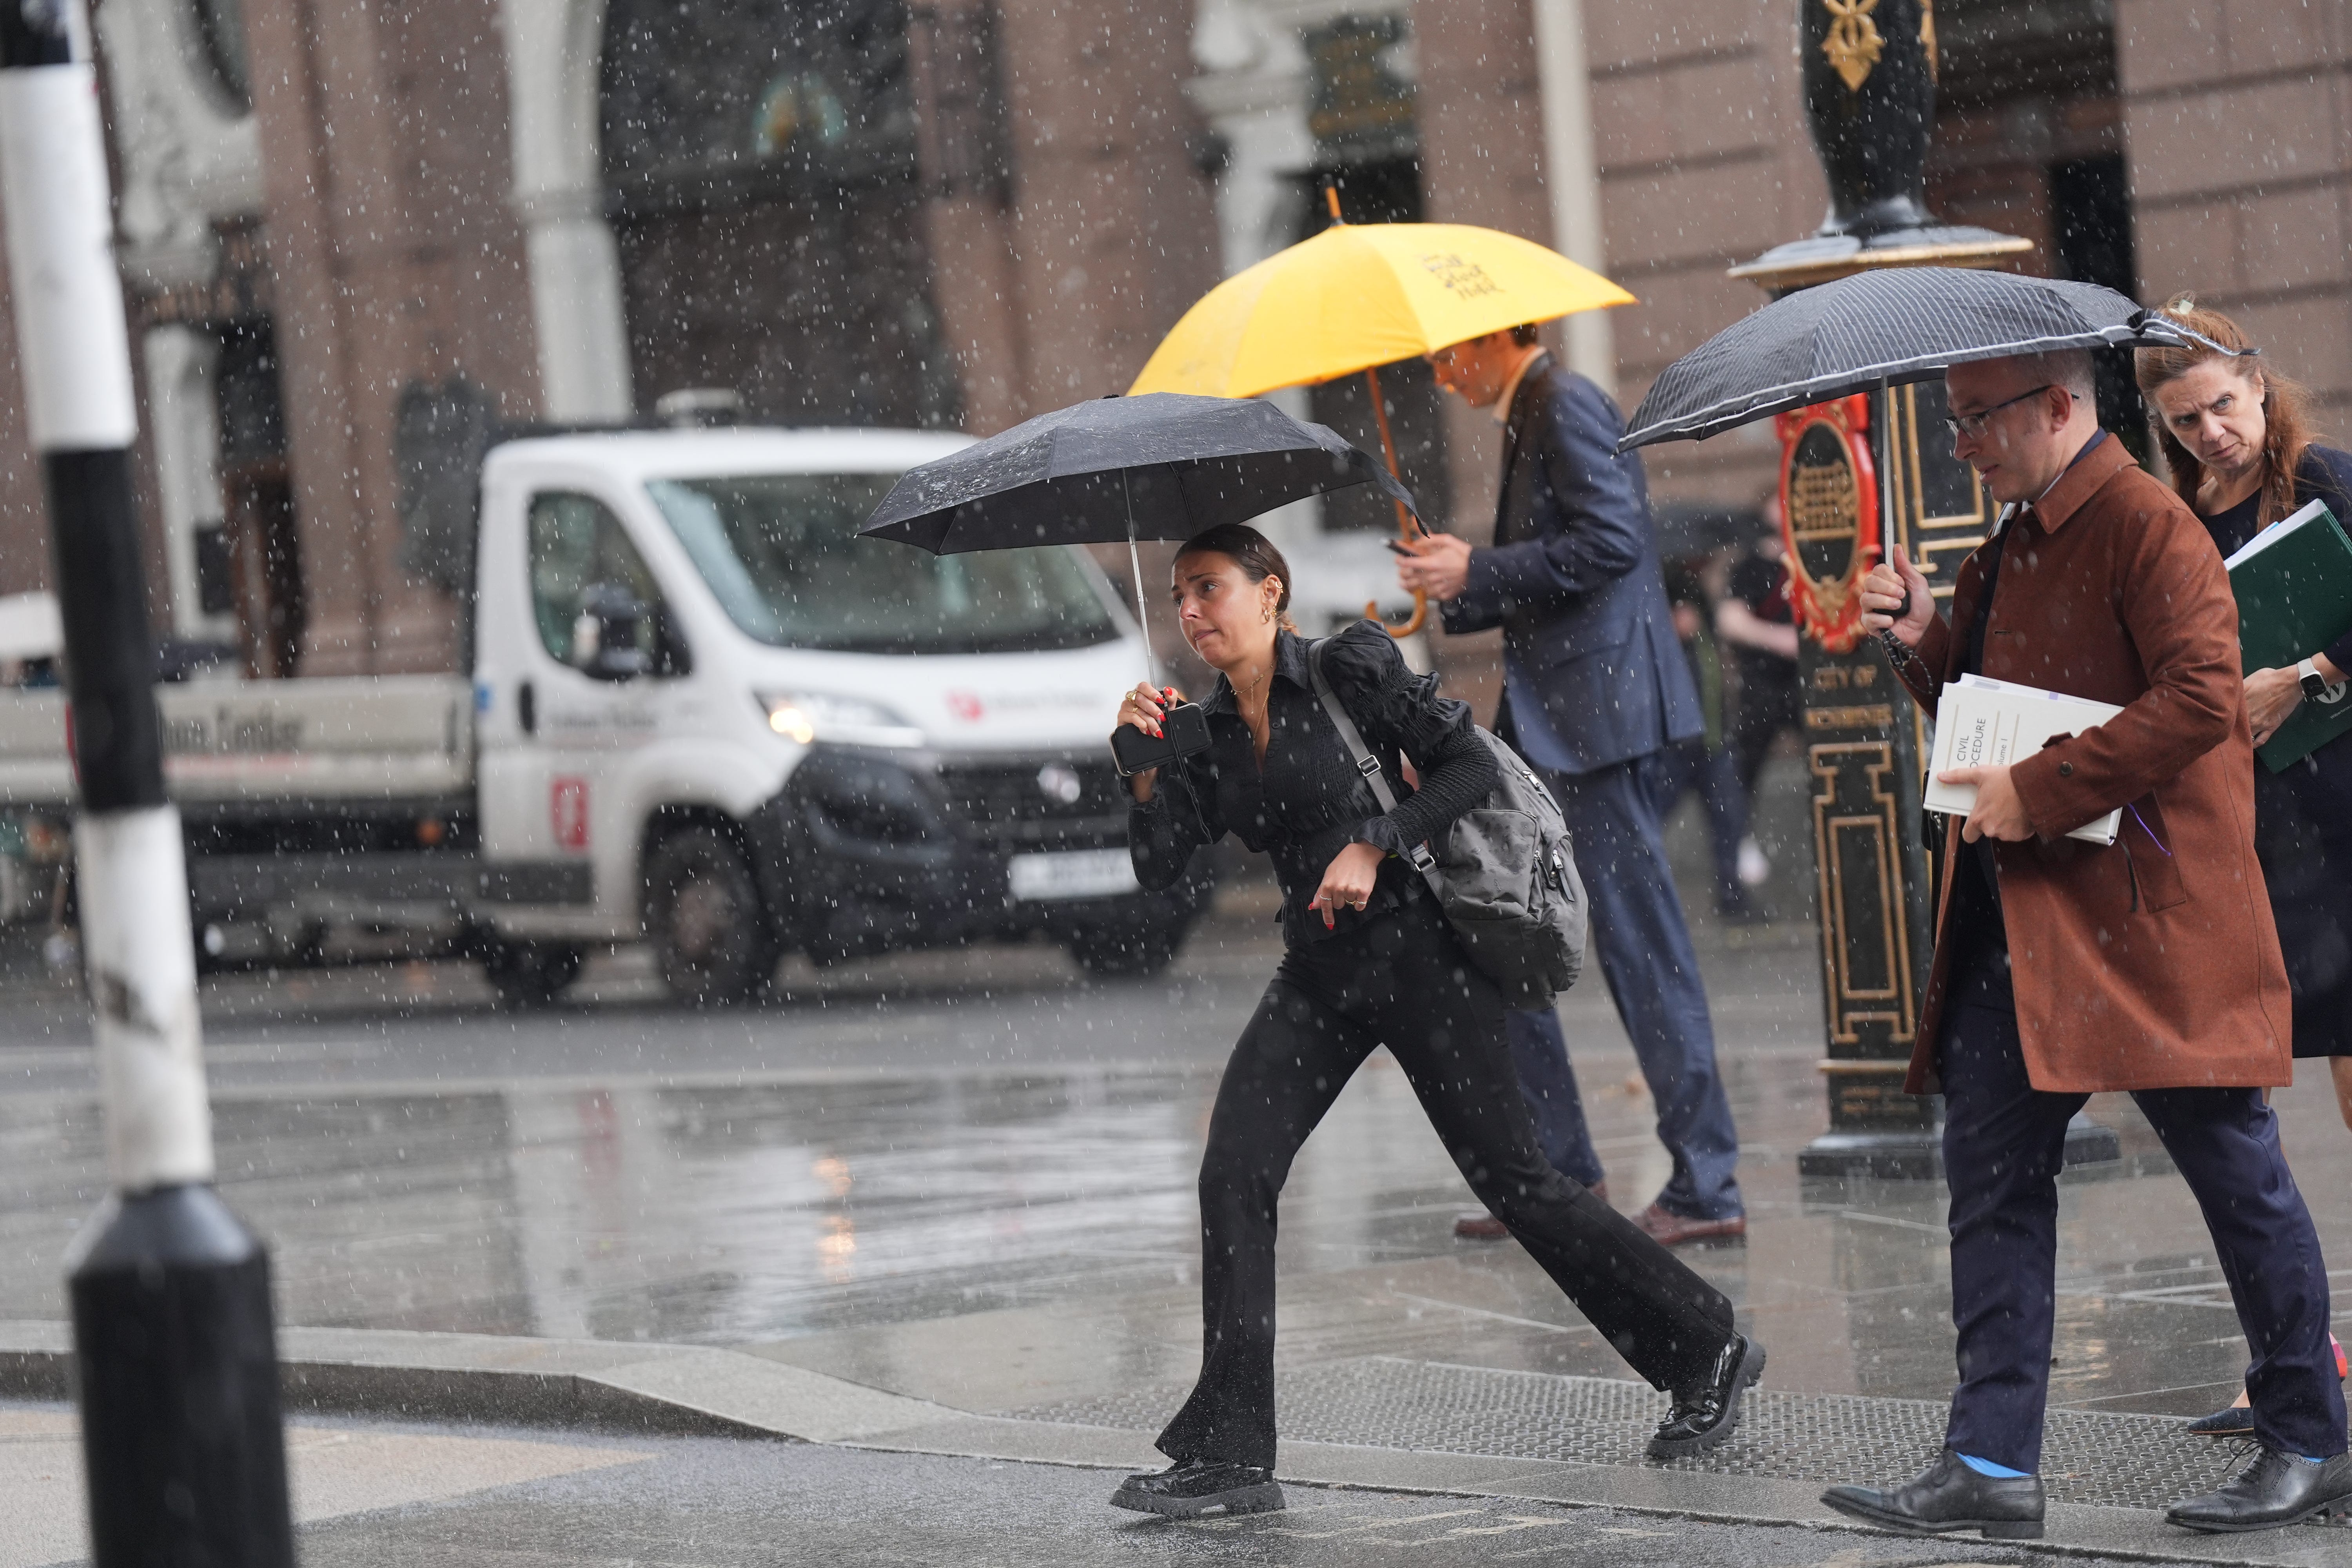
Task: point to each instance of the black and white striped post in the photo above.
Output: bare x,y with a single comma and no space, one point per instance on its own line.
175,1355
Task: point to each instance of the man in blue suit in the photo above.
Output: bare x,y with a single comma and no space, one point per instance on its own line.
1595,687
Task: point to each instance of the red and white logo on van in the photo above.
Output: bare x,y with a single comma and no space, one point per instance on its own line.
965,705
567,813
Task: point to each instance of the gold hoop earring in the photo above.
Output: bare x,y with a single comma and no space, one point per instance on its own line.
1267,619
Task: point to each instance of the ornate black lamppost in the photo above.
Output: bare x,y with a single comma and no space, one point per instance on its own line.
1855,475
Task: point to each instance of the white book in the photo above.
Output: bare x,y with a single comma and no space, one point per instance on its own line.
1981,722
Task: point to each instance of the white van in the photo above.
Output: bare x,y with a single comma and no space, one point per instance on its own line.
702,711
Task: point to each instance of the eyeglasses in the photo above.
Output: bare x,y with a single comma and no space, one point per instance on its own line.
1973,425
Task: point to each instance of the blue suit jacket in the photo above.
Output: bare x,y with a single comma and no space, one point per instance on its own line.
1574,581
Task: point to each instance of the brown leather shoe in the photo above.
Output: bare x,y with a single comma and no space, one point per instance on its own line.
1479,1225
1674,1230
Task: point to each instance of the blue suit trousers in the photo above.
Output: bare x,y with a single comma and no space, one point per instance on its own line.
1652,976
2004,1141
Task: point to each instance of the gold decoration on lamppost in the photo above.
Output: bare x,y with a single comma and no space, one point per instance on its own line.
1853,45
1927,39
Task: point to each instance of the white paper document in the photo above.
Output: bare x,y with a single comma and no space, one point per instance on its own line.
1981,722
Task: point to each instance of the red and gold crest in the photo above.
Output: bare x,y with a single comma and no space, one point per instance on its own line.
1829,516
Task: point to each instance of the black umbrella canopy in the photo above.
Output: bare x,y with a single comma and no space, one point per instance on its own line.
1878,329
1162,465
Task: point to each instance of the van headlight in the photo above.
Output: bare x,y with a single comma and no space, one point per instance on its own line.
807,717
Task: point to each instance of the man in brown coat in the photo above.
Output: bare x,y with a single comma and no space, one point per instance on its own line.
2063,968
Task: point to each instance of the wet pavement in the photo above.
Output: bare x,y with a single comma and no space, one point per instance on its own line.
968,1178
486,1497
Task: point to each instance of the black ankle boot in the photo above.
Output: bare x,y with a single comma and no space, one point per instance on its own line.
2277,1488
1190,1488
1950,1496
1704,1415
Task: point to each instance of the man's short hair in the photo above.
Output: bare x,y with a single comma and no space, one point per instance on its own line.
1524,335
2069,368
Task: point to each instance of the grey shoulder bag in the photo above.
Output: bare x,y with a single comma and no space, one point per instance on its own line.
1503,871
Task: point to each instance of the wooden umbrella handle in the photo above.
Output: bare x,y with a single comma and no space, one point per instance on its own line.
1406,524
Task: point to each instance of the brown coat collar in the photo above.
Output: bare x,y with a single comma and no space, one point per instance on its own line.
2079,483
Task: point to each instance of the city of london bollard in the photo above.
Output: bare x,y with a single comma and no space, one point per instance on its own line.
1858,477
175,1360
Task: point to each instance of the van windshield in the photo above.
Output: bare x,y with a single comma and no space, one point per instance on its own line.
781,555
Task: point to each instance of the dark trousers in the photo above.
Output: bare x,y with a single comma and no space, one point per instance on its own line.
1403,982
2004,1141
1539,1056
1651,972
1688,765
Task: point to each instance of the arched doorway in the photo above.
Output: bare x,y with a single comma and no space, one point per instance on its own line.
759,171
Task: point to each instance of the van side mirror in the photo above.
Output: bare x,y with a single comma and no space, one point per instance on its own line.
607,634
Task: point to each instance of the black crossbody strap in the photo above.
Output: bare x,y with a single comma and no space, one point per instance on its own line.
1366,763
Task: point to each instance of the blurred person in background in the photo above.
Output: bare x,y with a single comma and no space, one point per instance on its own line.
2237,438
1706,763
1369,959
1759,622
1595,689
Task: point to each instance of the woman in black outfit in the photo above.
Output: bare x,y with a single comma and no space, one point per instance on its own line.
1369,960
2234,436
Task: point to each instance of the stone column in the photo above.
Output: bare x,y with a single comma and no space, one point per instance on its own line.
1573,175
552,49
183,420
319,97
965,143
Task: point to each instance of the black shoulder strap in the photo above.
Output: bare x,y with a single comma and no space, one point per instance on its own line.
1366,763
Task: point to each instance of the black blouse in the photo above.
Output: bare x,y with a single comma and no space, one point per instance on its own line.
1308,802
2324,475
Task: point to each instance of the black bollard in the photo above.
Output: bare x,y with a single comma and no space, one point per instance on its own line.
175,1358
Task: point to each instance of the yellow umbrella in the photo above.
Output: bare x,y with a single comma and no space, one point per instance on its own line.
1359,296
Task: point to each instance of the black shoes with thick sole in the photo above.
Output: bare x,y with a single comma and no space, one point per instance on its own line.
2275,1489
1949,1497
1191,1488
1704,1416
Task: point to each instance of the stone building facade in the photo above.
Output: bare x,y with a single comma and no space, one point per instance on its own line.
341,222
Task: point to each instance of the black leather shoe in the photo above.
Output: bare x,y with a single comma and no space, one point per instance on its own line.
1191,1488
2276,1488
2238,1421
1949,1497
1704,1415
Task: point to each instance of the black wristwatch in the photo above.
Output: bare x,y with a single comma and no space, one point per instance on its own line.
2313,684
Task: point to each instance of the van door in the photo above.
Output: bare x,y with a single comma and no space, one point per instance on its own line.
590,692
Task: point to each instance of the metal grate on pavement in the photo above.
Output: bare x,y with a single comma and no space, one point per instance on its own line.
1384,1401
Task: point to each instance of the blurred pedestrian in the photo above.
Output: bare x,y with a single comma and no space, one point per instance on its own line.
1595,688
2063,969
2237,438
1368,959
1759,620
1705,763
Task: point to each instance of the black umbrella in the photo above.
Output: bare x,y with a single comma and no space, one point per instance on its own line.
1162,465
1882,328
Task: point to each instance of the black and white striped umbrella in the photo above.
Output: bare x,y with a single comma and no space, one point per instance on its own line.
1881,329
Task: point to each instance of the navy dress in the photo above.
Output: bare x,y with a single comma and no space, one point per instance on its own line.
2302,816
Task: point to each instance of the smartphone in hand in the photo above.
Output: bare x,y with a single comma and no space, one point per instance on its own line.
1184,729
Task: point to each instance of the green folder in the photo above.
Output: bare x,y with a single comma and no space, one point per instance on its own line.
2293,583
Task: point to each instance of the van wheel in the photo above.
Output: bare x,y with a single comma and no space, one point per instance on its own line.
531,973
1127,951
710,935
